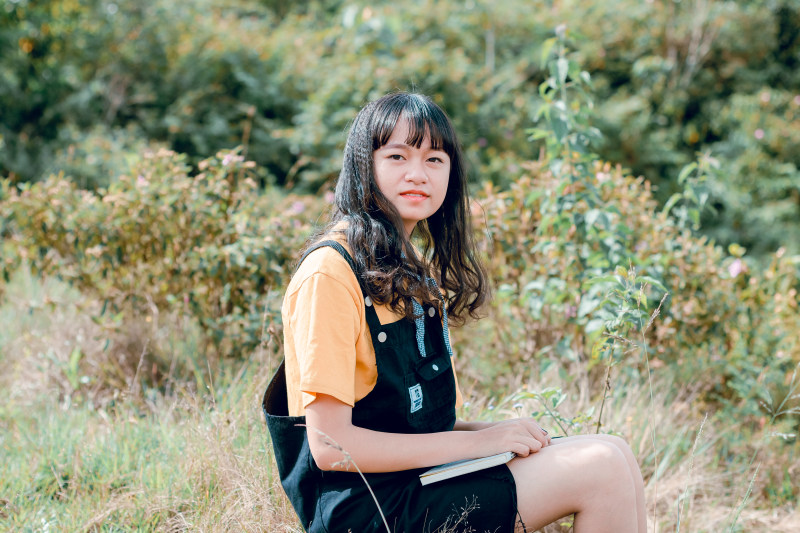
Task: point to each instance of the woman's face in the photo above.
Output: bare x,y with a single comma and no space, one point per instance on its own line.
413,179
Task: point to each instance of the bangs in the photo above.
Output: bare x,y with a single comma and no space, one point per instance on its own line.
423,117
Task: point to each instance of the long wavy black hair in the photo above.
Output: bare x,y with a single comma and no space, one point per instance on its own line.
392,274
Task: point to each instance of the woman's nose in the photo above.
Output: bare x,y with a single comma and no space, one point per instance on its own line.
415,172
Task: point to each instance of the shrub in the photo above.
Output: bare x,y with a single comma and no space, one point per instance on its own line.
285,80
581,254
161,238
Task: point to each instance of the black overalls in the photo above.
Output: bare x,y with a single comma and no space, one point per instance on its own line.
413,394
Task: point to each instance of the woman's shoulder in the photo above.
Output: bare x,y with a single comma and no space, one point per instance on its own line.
325,263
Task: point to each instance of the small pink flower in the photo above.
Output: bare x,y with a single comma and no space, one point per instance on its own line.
482,142
796,100
736,268
759,134
227,160
141,181
765,97
297,207
329,197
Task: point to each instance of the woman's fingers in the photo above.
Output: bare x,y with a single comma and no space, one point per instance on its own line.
536,431
522,436
547,437
529,435
525,447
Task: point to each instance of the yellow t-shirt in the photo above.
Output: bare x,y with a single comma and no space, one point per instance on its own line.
327,343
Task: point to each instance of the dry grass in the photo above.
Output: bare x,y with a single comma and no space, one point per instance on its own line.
106,453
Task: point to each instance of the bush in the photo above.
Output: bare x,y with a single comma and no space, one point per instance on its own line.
285,80
581,255
727,326
757,191
161,238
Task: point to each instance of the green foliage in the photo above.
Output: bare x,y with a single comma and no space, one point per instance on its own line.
282,81
549,400
690,204
94,158
677,88
756,192
581,253
163,239
671,78
200,239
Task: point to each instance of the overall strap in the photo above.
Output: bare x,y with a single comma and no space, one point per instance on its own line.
339,248
373,322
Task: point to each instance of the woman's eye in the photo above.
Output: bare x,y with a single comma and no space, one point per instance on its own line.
396,157
436,159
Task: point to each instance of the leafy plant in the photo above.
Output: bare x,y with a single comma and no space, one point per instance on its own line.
163,239
554,238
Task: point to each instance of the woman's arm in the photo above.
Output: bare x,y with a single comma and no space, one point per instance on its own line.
462,425
331,433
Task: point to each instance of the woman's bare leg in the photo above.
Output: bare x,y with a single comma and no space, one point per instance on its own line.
633,465
588,477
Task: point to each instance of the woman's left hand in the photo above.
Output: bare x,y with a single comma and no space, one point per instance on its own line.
530,423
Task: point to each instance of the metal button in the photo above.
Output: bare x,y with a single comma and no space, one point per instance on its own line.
368,301
435,367
382,336
431,312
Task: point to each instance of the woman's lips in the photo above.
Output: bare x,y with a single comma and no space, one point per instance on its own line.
414,195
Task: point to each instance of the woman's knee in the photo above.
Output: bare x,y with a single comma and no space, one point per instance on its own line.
607,463
608,452
620,443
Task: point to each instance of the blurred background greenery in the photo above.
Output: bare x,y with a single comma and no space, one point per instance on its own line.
637,204
86,83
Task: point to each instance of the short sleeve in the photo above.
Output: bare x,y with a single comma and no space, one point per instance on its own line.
325,325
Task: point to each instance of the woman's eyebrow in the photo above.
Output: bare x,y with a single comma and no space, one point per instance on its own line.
394,145
405,146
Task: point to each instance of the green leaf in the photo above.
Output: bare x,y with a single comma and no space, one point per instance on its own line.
674,199
547,47
594,325
602,279
562,68
587,305
652,282
560,127
537,133
685,171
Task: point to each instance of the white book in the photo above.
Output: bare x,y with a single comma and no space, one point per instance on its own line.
459,468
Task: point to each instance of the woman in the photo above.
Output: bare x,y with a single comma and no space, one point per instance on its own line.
368,378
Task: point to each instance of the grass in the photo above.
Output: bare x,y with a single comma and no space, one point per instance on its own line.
86,447
178,463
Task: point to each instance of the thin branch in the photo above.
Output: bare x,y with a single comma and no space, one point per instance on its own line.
685,496
652,402
346,461
138,367
606,389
